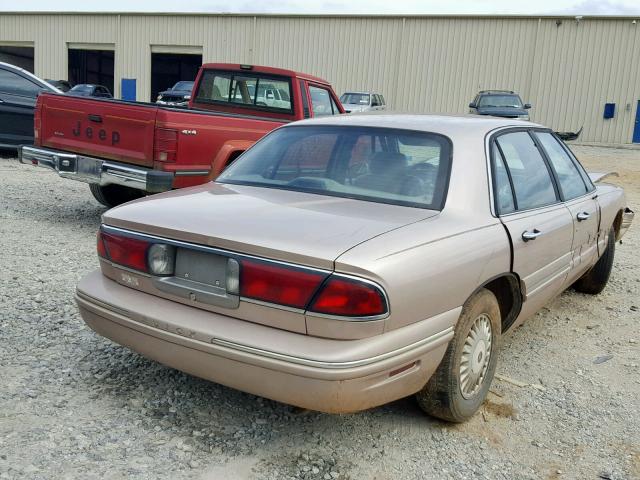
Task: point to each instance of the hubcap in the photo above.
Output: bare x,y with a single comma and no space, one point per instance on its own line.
476,353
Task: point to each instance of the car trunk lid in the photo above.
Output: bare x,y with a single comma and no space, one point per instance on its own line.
302,228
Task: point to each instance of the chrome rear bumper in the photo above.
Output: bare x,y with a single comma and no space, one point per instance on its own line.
95,170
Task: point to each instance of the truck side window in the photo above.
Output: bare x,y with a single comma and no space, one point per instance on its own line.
320,101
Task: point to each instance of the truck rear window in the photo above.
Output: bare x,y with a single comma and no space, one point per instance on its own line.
384,165
245,89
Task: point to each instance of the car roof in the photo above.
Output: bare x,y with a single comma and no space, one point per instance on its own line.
443,124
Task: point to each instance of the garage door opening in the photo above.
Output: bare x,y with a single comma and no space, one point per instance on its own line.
19,56
91,66
169,68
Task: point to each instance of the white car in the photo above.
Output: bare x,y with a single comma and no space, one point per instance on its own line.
362,102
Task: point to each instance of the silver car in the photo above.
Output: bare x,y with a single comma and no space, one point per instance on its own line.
345,262
355,102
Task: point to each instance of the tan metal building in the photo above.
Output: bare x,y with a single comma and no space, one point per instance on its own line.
567,67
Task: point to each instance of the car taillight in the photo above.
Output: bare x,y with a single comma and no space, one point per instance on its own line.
278,284
348,297
165,145
126,251
102,251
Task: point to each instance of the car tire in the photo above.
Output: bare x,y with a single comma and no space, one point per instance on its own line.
113,195
460,385
594,281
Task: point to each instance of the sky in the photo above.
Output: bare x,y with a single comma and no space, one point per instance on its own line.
482,7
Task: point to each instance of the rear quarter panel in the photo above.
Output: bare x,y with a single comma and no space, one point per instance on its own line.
612,201
432,266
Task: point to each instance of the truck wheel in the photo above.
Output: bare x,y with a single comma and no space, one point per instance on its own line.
594,281
461,383
113,195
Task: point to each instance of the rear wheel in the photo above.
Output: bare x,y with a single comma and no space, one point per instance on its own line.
594,281
113,195
461,383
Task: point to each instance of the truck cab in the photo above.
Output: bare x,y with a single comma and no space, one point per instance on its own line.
125,150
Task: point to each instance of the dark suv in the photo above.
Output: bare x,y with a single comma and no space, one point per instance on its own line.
499,103
18,92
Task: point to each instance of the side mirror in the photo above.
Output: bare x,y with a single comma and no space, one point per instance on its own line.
527,106
472,105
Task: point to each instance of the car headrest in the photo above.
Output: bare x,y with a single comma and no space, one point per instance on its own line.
387,162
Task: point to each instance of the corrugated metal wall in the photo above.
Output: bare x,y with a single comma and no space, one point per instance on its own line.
567,69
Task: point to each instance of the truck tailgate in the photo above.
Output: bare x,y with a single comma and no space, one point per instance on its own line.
108,129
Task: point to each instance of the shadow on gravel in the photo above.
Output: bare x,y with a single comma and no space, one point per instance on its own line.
57,210
9,154
146,393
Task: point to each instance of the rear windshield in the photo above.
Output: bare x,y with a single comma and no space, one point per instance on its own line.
500,101
382,165
355,98
245,89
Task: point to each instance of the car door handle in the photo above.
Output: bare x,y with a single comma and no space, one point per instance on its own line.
1,100
531,235
583,216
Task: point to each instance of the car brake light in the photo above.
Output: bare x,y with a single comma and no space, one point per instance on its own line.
165,145
102,251
126,251
275,283
347,297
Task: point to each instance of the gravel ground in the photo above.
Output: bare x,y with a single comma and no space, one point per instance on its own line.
74,405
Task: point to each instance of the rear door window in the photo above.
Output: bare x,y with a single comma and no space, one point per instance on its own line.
569,177
532,182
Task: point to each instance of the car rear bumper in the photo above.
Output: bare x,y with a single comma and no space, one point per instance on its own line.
310,372
96,170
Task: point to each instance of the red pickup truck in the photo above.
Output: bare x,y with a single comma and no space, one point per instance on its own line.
126,149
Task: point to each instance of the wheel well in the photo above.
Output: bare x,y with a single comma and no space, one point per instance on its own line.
506,288
617,223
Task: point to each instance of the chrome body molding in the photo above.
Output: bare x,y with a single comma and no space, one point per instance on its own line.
432,340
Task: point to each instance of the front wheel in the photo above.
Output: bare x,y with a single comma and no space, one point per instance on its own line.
594,281
113,195
461,383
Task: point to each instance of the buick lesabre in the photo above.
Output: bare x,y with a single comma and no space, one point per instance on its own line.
342,263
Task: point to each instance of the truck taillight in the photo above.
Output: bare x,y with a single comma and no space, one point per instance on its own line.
166,145
37,123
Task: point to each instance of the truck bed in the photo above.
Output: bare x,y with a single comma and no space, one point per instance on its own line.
126,131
